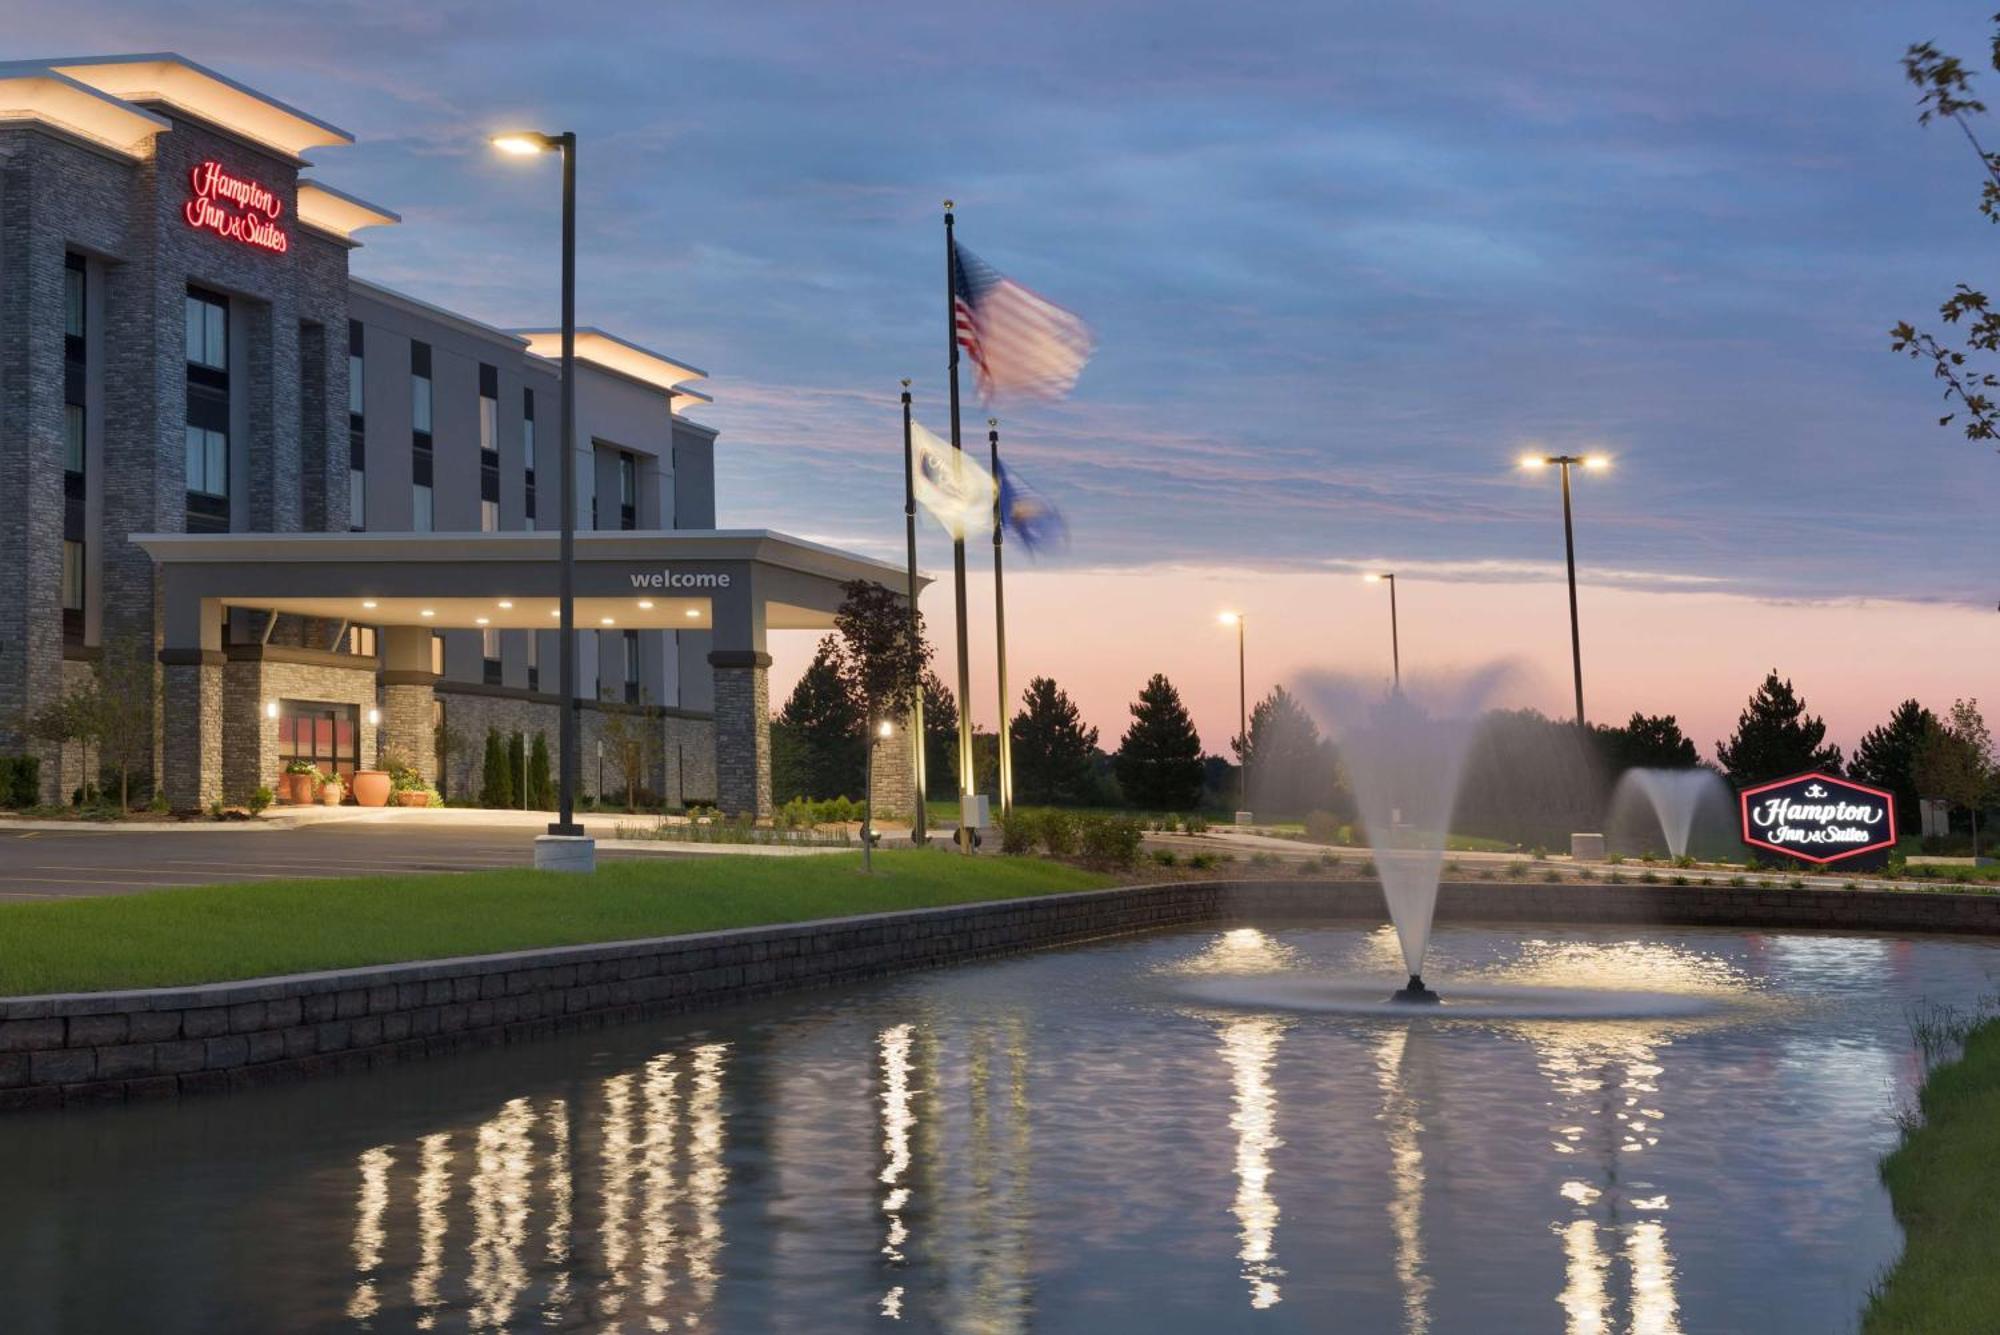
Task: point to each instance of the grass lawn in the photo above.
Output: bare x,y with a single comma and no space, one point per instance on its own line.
213,933
1943,1182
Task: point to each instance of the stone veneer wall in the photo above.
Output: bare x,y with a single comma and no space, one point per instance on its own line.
62,1051
685,772
743,738
250,737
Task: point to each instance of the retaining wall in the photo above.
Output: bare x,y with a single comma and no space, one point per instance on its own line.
89,1048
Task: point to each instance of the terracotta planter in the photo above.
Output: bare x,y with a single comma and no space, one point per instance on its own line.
297,788
331,794
371,787
413,799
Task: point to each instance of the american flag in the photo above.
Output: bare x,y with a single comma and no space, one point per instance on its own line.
1022,345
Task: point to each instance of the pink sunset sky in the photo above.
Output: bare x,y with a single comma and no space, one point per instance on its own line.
1696,653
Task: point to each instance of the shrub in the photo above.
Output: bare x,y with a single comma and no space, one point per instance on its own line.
1109,841
1615,860
260,799
1018,831
1540,854
20,781
1552,876
1165,857
1059,833
1649,877
1517,870
1263,859
1323,827
1616,878
1306,867
1329,859
1195,824
1201,861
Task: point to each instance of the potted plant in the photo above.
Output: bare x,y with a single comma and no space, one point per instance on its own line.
330,790
298,782
406,783
371,787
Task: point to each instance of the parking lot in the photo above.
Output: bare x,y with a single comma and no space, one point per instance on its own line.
44,864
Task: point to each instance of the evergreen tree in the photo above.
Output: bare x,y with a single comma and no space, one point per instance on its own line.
1291,767
1775,737
496,778
517,770
1887,758
825,718
1159,760
1647,741
1054,753
541,791
940,739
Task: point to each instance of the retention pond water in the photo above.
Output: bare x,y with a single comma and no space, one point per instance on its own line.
1205,1130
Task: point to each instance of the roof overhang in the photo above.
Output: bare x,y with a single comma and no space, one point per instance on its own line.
178,82
617,354
35,93
338,213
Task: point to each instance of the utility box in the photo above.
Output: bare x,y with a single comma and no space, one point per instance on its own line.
973,812
1244,818
1933,817
1586,847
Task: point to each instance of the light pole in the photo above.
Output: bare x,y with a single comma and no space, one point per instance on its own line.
1237,619
1594,462
579,854
876,735
1395,639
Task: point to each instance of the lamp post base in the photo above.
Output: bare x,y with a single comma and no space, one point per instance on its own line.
565,852
1414,993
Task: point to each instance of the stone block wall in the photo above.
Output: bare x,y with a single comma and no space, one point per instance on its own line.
683,772
90,1048
743,737
250,735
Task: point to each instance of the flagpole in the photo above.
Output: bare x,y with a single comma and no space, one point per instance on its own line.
966,778
918,833
1000,626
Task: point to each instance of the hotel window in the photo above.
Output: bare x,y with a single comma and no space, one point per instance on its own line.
628,491
75,441
630,640
489,647
437,654
489,407
489,516
72,576
528,449
534,661
361,641
420,391
423,514
357,429
207,459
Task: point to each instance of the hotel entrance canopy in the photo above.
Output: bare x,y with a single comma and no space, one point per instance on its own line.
737,583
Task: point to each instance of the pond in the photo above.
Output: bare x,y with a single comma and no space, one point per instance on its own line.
1120,1136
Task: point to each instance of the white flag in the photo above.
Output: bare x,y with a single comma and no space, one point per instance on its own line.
950,483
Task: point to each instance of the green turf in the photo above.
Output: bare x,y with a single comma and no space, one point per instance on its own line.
212,933
1945,1184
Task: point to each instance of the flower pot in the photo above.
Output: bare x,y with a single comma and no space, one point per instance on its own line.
413,798
371,787
331,794
297,788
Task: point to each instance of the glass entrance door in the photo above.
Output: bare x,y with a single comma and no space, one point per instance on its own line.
327,736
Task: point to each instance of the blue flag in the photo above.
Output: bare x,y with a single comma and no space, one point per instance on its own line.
1030,516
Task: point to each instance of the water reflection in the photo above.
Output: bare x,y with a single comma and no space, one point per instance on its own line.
897,1119
1607,1108
1399,1117
660,1182
1250,1047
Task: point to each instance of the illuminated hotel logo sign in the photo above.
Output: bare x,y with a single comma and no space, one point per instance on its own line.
235,207
1818,818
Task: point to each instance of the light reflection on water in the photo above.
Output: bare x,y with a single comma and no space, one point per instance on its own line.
1056,1142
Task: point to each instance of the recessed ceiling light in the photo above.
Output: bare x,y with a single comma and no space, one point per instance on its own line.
506,603
609,622
480,621
368,603
694,614
646,603
427,612
555,611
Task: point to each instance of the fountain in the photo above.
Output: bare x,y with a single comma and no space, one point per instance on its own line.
1676,797
1404,755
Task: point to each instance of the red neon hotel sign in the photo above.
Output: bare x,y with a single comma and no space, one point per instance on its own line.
235,207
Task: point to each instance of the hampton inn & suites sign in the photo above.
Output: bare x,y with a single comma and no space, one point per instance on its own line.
1820,818
235,207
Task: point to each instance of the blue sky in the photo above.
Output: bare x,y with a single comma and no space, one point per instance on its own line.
1344,261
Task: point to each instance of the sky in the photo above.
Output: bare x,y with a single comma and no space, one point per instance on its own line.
1344,263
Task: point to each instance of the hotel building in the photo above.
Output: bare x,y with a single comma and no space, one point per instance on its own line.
327,510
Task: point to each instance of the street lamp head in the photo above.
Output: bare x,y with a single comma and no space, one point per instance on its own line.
1230,618
1596,462
525,143
1533,461
1378,576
